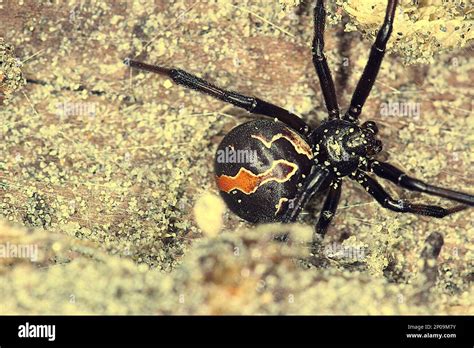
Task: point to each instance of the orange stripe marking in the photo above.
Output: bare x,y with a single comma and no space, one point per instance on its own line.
248,182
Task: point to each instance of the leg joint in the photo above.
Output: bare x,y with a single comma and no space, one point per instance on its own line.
383,36
396,205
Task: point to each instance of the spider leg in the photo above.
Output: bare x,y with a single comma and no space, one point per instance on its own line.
315,180
372,67
329,208
401,206
320,62
251,104
389,172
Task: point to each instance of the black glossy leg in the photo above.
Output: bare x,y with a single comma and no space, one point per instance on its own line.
251,104
329,208
372,68
320,62
389,172
315,180
401,206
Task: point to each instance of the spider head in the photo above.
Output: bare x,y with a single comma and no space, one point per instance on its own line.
343,146
373,145
363,142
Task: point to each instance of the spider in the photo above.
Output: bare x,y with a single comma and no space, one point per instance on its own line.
288,162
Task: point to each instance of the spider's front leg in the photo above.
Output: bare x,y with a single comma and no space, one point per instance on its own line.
395,175
251,104
320,61
372,67
400,206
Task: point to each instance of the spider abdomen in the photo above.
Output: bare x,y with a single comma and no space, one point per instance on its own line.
259,166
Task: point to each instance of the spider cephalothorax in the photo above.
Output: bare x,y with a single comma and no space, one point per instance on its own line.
268,169
343,147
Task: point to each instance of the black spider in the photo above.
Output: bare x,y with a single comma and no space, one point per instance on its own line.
284,163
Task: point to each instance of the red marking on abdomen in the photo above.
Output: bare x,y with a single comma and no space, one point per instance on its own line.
248,182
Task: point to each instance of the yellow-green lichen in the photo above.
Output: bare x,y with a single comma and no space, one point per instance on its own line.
11,78
422,29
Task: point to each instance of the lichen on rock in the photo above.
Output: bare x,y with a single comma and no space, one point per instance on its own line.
11,77
422,29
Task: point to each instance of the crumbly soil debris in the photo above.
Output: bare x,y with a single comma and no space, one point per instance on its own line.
11,79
